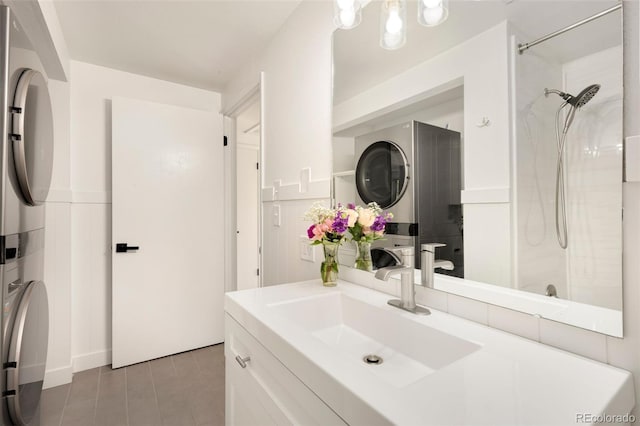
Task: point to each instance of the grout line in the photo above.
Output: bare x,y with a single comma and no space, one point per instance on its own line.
173,364
126,396
175,370
66,400
155,392
195,359
95,405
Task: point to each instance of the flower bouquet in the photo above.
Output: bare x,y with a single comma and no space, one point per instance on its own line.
329,228
366,224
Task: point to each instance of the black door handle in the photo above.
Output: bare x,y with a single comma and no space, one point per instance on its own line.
123,248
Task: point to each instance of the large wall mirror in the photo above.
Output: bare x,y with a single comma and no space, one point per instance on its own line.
511,157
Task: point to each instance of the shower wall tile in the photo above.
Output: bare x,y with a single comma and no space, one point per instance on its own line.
632,159
594,170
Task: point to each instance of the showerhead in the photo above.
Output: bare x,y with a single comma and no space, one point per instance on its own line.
585,96
576,101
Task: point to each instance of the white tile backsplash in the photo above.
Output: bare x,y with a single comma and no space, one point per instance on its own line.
514,322
468,308
577,340
432,298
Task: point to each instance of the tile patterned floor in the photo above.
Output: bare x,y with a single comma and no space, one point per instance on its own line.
180,390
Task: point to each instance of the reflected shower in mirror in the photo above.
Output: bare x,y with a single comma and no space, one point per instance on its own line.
502,144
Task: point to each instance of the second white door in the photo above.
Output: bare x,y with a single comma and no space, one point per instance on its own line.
248,206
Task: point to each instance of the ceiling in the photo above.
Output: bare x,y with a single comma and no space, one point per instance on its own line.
196,43
360,62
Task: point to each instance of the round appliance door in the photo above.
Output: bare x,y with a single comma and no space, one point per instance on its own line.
382,174
32,137
28,353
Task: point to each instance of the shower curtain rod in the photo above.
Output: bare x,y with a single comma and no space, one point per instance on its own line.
524,46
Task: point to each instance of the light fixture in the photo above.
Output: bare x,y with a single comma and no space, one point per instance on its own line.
432,12
347,14
393,24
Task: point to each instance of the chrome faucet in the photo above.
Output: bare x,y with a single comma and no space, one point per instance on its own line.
407,299
428,263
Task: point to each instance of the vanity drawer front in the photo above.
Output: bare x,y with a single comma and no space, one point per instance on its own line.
265,390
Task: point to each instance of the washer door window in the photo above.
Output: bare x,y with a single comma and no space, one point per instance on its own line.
28,353
32,137
381,174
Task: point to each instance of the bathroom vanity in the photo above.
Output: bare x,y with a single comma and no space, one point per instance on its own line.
301,353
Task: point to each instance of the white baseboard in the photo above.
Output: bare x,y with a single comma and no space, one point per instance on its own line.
57,377
91,360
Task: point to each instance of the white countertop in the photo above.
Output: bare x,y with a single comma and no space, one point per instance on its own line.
508,380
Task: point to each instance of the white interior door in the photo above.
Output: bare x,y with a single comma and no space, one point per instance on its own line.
247,232
167,190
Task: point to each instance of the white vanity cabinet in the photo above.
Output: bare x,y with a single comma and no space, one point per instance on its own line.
264,391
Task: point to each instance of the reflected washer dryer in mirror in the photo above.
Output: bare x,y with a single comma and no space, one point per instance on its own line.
414,170
385,174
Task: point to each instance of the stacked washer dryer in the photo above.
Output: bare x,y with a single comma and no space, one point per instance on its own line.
26,156
413,170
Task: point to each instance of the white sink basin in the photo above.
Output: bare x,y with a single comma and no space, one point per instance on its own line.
356,329
436,370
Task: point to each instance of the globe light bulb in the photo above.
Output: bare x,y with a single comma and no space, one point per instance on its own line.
392,40
394,22
347,17
431,4
433,16
346,4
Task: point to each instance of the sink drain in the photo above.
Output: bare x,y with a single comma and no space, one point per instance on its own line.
372,359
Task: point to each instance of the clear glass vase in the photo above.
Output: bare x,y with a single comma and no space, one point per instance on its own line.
329,267
363,256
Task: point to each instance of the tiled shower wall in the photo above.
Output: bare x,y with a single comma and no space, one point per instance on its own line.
594,173
589,270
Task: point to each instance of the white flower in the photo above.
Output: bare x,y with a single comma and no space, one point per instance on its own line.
318,213
366,217
352,216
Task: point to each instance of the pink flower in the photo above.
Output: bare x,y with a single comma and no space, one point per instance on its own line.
317,233
325,226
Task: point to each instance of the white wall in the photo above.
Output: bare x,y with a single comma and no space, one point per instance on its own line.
57,265
297,133
92,88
